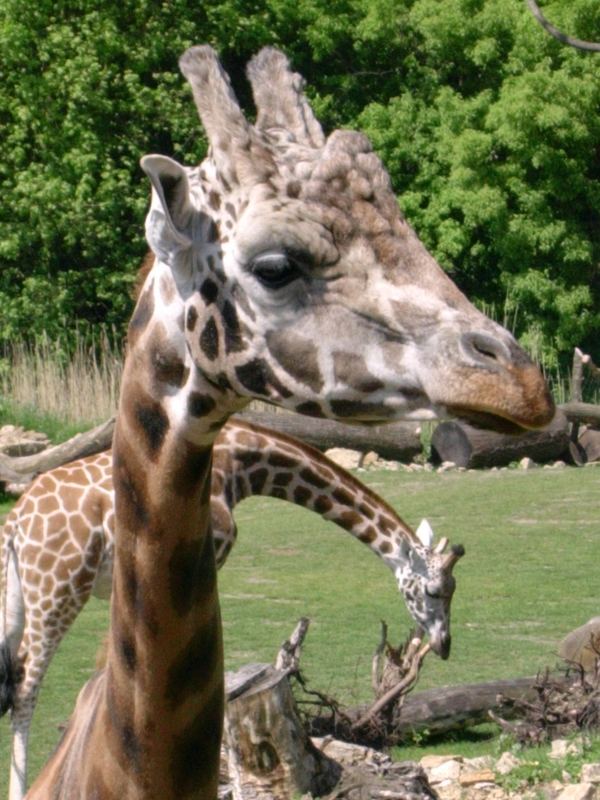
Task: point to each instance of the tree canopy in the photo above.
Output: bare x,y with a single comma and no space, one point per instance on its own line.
489,128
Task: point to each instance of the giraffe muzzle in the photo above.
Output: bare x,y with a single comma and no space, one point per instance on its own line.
440,644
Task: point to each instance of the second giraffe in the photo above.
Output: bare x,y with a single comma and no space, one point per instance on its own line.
57,547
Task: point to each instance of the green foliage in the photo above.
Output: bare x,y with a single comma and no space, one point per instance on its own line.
537,766
494,152
489,128
57,430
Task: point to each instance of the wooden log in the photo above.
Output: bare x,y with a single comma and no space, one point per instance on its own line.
24,468
589,444
582,413
453,707
473,447
270,755
398,441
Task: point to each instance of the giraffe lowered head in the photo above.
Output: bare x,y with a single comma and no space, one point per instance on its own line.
424,575
299,282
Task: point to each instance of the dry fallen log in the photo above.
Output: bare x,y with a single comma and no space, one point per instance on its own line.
453,707
558,708
589,445
24,468
582,413
474,448
398,441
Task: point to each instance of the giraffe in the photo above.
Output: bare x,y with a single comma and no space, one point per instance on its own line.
59,537
285,272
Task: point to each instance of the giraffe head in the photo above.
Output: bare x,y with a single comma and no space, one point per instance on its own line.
299,281
425,579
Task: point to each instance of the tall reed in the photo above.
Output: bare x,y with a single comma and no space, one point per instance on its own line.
79,385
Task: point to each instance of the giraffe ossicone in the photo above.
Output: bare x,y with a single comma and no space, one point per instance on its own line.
57,550
424,533
284,271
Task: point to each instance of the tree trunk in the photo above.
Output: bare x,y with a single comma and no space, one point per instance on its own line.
269,752
398,441
589,444
473,447
24,468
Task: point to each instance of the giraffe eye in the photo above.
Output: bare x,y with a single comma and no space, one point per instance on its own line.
276,269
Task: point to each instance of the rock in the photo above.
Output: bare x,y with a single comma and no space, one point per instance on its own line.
431,761
552,790
590,773
480,762
16,441
344,457
578,791
526,463
446,466
576,646
369,459
448,771
478,776
506,763
561,748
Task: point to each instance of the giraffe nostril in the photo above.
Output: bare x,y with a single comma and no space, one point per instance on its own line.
485,350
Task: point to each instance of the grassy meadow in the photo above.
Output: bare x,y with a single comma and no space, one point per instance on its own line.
529,576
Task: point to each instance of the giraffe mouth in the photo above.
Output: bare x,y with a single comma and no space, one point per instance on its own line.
487,421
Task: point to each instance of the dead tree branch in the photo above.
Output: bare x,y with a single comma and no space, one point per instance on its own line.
572,41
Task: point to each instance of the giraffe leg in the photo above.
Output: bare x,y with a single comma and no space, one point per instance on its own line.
18,757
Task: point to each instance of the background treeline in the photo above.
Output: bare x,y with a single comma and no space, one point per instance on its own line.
490,130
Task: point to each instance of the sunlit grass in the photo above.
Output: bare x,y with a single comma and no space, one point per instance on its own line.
529,576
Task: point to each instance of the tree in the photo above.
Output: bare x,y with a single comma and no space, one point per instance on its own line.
496,160
488,126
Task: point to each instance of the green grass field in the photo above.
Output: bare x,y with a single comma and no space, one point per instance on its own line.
529,576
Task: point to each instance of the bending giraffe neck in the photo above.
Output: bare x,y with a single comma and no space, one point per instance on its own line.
261,461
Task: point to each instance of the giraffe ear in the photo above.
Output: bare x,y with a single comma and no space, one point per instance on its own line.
425,533
170,221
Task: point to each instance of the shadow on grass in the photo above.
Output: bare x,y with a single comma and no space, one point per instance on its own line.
468,742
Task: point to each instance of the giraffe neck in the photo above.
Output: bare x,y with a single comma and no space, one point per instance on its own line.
264,462
164,674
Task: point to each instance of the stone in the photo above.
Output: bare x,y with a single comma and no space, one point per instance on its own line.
446,466
577,645
561,748
506,763
477,776
344,457
369,459
526,463
16,441
578,791
590,773
448,771
479,762
431,761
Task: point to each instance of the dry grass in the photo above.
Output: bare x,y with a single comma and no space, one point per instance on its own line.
81,387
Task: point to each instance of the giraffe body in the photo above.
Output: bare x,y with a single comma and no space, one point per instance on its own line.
61,532
284,271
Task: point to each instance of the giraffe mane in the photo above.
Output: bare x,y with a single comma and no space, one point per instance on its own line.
143,271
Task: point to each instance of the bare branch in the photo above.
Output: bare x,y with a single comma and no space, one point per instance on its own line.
580,44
